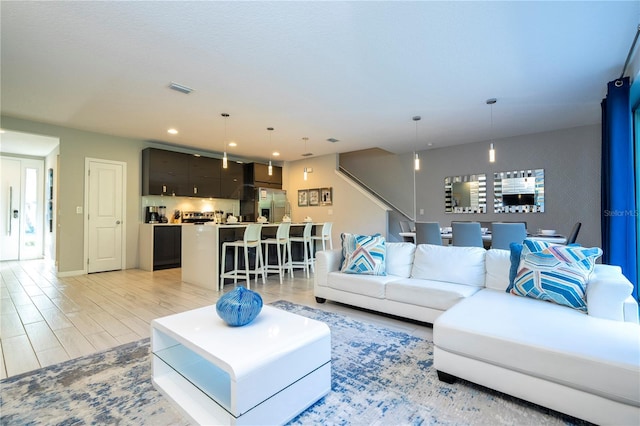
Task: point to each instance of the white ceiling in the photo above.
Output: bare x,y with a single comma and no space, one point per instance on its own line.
355,71
26,143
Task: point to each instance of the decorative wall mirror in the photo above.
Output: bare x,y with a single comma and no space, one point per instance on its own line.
519,191
465,194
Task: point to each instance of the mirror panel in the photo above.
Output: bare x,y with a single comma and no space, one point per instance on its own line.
465,194
519,191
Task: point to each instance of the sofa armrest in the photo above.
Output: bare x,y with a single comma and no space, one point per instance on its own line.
326,261
607,294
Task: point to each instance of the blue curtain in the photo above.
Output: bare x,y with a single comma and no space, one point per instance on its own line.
619,236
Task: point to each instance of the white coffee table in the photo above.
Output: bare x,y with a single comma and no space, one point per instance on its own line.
266,372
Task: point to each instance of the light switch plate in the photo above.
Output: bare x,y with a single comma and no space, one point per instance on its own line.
78,209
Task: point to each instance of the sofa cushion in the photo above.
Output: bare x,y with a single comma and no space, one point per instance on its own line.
366,285
458,265
363,254
557,274
547,341
399,259
498,263
431,294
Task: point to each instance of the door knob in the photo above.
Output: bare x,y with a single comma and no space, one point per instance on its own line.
117,222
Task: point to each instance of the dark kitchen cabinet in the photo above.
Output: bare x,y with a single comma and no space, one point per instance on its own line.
257,175
204,177
175,173
232,181
165,172
167,246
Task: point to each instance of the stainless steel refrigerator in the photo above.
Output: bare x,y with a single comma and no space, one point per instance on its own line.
267,202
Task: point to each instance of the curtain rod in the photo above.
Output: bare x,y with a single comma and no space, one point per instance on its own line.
633,45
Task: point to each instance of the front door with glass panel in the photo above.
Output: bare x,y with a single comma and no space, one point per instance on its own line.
21,209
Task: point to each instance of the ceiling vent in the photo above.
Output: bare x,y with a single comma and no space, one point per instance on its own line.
307,154
333,140
180,88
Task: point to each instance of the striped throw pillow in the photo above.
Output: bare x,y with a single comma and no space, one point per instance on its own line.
557,274
363,254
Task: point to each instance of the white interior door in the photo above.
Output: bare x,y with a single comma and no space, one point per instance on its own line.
10,209
105,214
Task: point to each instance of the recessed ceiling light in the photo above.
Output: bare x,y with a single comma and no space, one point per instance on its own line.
233,144
1,130
275,154
430,144
333,140
172,131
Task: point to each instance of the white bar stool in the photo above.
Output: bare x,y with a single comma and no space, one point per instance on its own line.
283,251
325,236
251,240
305,239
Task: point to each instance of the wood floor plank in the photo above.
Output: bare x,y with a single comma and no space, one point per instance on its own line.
19,356
10,325
140,327
84,323
102,340
29,313
111,324
52,356
43,302
41,336
74,342
7,306
127,338
55,319
3,369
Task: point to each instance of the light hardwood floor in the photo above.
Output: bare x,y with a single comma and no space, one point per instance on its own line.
45,320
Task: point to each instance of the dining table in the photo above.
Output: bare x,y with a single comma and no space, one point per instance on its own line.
486,237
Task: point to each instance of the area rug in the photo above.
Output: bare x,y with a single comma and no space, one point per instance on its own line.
380,376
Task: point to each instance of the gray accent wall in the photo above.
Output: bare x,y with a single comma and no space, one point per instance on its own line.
569,157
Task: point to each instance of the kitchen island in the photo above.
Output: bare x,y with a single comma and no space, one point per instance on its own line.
202,249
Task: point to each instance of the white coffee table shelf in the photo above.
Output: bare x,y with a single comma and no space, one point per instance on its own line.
263,373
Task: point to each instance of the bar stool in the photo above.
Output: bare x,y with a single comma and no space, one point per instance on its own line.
251,240
283,250
324,236
305,239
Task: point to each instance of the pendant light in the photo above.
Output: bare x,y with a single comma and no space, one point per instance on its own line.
492,151
224,158
305,174
416,159
270,129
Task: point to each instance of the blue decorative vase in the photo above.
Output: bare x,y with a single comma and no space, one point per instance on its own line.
239,307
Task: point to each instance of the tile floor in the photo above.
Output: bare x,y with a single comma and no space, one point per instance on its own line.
45,320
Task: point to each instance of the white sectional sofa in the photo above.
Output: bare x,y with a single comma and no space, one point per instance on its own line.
584,365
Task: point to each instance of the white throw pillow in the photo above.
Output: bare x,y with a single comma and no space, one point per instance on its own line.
498,263
459,265
400,259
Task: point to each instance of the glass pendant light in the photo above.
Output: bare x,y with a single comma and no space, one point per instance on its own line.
224,158
416,159
270,129
492,151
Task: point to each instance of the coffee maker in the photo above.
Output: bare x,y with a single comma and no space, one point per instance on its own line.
152,215
162,214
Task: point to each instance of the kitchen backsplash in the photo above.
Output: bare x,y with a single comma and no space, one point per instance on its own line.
189,204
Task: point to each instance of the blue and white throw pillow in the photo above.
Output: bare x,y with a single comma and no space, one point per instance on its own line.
519,251
363,254
557,274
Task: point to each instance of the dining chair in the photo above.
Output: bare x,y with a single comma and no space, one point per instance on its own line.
466,234
307,260
283,251
503,234
428,233
573,236
251,239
